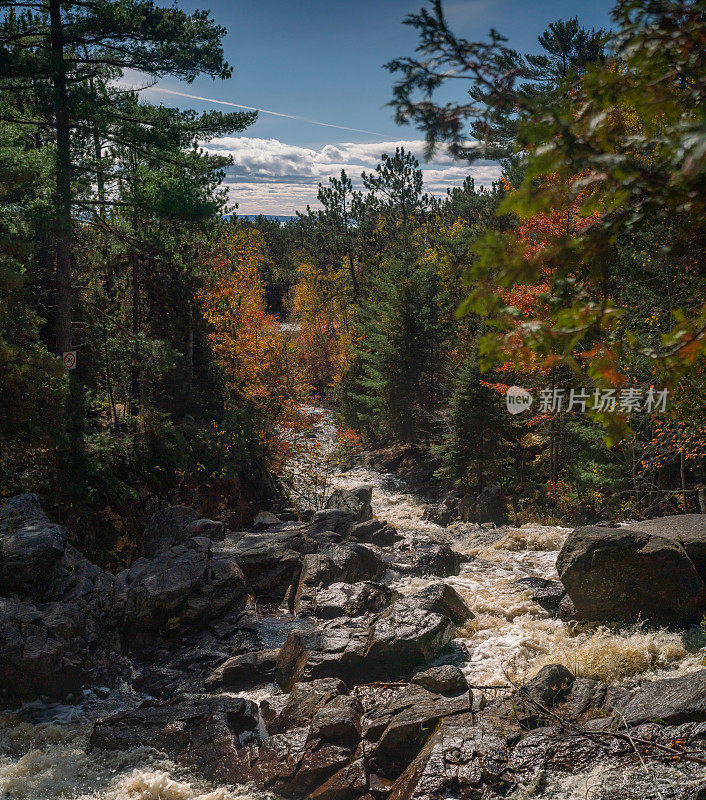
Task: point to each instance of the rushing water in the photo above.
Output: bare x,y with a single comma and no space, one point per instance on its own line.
43,747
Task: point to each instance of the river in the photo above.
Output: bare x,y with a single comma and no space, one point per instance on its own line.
43,746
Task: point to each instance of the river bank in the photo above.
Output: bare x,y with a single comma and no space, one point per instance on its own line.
52,750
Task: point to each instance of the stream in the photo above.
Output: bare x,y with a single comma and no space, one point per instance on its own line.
43,746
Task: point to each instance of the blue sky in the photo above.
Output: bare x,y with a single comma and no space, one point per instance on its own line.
323,60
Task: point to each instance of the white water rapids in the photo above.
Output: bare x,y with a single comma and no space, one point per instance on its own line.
43,747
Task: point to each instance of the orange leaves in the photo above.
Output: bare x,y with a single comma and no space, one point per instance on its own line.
232,303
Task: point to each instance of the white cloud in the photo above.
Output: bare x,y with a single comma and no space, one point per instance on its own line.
271,177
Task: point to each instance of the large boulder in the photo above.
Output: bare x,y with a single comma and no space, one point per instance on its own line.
184,586
166,528
271,560
204,733
334,563
687,529
625,574
407,635
55,631
356,502
401,727
421,555
352,599
31,548
670,701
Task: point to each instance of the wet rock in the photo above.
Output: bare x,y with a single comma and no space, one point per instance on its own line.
464,757
169,527
623,574
183,586
412,632
446,679
352,600
350,783
445,600
53,648
422,556
402,726
244,671
545,593
330,521
338,722
549,688
551,750
670,701
304,700
355,502
31,548
205,733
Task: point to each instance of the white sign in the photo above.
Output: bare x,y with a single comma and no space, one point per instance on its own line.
517,399
70,359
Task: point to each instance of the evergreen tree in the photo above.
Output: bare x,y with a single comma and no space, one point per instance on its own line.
476,429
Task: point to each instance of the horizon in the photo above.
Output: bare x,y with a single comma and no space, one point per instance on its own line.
308,76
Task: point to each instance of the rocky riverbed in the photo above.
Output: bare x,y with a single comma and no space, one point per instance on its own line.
366,653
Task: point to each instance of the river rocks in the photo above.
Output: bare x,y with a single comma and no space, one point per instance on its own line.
334,563
31,548
545,593
532,702
412,632
304,700
623,574
355,502
401,727
464,757
271,560
445,600
373,531
447,679
670,701
423,556
352,600
203,732
245,670
183,586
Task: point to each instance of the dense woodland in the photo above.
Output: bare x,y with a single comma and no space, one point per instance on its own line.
582,268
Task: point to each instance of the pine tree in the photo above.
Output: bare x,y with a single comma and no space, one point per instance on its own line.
476,429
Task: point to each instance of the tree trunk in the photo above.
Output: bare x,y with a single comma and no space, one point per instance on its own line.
63,233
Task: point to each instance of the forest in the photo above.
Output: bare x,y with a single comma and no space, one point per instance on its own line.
198,337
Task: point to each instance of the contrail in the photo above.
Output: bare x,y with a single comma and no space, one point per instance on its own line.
261,110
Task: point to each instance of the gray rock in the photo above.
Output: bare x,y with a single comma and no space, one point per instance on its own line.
547,594
271,560
355,502
245,670
445,600
338,722
169,527
550,687
623,574
334,563
687,529
374,531
31,548
422,556
352,599
670,701
266,519
403,725
304,701
184,586
446,679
